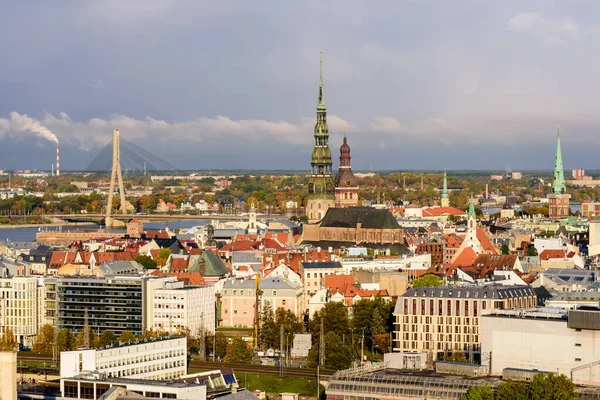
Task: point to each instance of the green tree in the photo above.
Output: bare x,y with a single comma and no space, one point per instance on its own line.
238,352
44,340
269,333
146,261
337,354
106,339
479,393
8,341
192,341
335,319
511,390
551,387
220,345
163,256
127,336
382,342
504,249
532,251
66,340
288,320
428,280
457,357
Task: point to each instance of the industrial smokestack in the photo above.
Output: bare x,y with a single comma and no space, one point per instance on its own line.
57,160
52,170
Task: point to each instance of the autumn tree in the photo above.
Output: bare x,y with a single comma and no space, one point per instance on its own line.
146,261
163,256
127,336
238,352
218,344
338,355
511,390
8,341
106,339
44,340
428,280
66,340
80,340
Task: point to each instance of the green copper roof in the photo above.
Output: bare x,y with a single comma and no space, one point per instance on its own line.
559,178
471,212
321,104
209,264
445,189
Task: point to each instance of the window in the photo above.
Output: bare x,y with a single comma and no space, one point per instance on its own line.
577,344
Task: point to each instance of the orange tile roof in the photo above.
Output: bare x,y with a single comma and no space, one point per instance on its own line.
438,211
465,258
485,243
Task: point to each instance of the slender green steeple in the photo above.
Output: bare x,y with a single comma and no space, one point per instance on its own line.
471,212
558,186
321,105
445,188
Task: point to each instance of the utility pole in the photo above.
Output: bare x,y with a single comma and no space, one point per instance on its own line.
86,330
322,345
257,298
281,351
202,340
362,347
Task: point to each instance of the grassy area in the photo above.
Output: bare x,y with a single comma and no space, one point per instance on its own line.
39,364
273,384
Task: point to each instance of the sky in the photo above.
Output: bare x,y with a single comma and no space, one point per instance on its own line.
233,84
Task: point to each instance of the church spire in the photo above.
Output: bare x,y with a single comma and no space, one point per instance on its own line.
445,199
558,186
471,212
321,105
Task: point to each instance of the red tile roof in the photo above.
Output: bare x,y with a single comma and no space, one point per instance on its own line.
466,257
438,211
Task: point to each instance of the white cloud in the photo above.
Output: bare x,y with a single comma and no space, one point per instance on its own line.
550,32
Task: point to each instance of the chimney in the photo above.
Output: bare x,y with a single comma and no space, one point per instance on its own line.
487,195
57,160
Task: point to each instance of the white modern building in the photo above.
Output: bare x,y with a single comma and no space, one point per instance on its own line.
159,359
19,307
94,386
177,307
546,339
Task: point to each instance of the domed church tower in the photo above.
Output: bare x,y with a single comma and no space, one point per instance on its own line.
320,190
346,184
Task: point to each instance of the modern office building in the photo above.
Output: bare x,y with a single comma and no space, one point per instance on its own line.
154,359
192,307
446,319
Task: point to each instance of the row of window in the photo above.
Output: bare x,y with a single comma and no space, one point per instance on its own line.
438,320
140,359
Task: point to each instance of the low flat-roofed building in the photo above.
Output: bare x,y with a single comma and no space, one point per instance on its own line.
94,385
544,339
161,358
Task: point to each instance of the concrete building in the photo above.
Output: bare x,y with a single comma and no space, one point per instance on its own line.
313,273
552,340
159,359
8,372
115,303
238,299
590,208
94,386
177,307
19,310
448,318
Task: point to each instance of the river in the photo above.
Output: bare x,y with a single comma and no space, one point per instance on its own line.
28,234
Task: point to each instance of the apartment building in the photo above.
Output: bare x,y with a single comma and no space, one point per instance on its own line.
19,307
157,359
238,299
116,303
176,307
313,273
445,319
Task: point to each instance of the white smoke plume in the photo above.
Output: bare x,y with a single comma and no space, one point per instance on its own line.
23,123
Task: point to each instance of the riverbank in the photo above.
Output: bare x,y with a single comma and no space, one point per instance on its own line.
47,225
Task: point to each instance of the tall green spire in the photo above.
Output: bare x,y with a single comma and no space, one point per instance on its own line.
321,105
558,186
471,212
445,188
